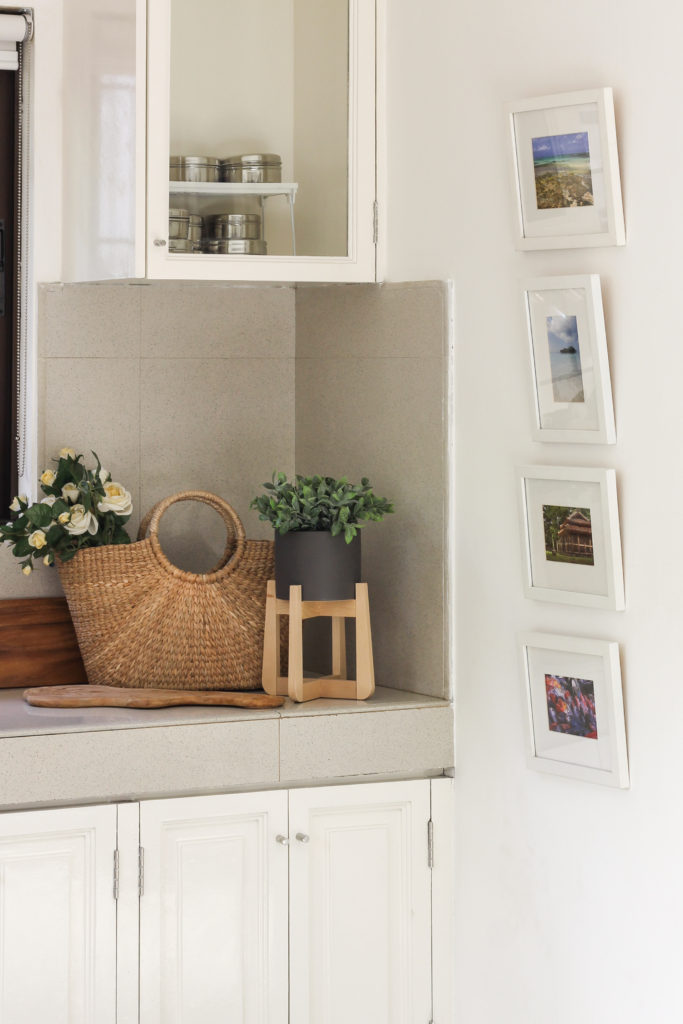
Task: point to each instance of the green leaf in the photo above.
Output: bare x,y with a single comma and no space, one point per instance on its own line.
39,515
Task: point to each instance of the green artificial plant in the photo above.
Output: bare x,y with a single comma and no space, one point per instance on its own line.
314,503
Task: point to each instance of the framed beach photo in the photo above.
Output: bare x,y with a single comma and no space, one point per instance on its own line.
575,708
566,171
572,394
571,541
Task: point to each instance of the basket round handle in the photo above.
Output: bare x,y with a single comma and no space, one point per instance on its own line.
236,535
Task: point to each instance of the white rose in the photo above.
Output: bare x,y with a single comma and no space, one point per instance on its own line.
37,539
15,507
104,475
81,522
64,518
48,559
50,500
117,499
27,570
67,453
70,493
48,477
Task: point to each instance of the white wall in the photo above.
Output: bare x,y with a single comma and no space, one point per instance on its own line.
569,895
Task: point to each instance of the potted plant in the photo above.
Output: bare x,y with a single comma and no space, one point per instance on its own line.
317,541
82,508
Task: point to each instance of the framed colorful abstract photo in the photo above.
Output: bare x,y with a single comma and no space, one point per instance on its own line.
575,708
572,394
566,171
571,540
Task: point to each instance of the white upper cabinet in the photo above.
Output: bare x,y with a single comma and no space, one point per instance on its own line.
290,78
147,81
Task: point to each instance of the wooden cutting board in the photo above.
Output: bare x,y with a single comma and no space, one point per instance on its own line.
124,697
37,643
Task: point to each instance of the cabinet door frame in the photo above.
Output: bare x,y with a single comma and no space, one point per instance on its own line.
359,264
156,815
412,800
95,827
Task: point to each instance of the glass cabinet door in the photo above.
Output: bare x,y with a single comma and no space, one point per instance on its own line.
261,125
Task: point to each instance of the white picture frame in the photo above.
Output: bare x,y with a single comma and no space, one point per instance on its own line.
575,710
565,170
570,536
570,377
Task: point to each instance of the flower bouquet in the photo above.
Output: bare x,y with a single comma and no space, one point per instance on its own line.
82,508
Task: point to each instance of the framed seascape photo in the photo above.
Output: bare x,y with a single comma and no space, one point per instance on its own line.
575,708
572,394
571,542
566,171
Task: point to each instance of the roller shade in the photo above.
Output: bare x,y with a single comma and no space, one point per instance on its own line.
14,28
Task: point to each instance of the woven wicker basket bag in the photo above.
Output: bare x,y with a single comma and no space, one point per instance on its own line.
142,622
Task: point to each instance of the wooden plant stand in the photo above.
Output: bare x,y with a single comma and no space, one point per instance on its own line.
294,684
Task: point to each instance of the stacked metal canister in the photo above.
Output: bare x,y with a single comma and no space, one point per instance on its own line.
228,233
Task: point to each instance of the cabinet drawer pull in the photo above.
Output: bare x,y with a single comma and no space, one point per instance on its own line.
282,840
301,837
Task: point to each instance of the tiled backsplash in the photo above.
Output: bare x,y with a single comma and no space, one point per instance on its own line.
212,386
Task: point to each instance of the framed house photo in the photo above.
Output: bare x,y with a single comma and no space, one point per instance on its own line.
572,394
566,171
575,708
571,542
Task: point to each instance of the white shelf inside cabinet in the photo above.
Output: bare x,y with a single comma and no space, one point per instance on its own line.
226,189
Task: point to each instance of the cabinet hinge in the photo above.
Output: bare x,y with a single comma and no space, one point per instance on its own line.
430,846
375,222
115,888
141,870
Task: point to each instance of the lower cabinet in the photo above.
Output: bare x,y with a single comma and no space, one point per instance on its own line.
58,916
313,906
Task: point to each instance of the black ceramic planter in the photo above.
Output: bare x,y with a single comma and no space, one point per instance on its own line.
326,567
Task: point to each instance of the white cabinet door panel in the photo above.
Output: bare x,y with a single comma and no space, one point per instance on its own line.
58,917
213,916
360,887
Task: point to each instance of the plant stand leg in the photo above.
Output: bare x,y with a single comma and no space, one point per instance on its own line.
338,647
365,669
296,645
271,680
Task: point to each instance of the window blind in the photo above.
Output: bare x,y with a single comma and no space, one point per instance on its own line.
14,28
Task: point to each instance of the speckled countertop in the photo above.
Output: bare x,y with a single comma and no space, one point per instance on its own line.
51,757
17,718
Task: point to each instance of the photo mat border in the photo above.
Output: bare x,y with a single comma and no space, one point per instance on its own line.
614,599
606,430
608,651
615,234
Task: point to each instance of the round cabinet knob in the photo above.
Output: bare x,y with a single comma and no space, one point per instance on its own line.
301,837
160,241
282,840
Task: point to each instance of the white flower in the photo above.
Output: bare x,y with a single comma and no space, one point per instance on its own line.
104,475
70,493
81,522
48,477
37,539
15,507
64,518
48,559
27,570
67,453
50,500
117,499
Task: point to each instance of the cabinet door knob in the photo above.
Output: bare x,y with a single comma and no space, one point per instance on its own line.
160,241
282,840
301,837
